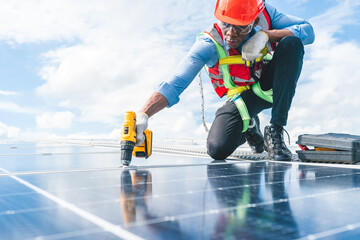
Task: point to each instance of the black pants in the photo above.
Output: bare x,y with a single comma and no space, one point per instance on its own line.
281,74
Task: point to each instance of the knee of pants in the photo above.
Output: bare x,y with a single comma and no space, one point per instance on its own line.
291,43
217,150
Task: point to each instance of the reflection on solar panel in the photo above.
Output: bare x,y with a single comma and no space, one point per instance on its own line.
72,191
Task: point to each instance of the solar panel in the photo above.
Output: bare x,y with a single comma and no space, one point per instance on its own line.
71,191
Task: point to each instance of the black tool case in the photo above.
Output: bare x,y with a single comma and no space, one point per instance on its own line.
341,148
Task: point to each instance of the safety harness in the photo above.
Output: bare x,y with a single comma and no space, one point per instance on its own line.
234,92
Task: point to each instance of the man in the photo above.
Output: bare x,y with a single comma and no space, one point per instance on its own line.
233,49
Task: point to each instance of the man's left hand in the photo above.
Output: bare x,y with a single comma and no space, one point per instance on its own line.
251,49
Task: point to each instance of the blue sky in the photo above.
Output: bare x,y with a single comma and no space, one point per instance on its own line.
71,69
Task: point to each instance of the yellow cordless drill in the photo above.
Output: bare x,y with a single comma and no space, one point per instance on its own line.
128,140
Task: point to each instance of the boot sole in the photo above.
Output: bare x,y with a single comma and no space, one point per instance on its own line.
283,159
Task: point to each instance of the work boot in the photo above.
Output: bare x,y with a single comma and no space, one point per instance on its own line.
254,136
274,144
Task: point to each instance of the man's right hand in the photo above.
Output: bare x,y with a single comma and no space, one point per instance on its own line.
141,126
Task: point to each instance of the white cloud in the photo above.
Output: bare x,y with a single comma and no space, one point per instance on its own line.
8,132
114,52
118,62
61,120
38,21
328,100
7,93
13,107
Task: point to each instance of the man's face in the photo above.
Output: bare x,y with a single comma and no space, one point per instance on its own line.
235,35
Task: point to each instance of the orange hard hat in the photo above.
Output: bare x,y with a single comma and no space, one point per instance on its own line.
238,12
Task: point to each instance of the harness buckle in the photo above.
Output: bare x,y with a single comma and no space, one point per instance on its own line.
237,90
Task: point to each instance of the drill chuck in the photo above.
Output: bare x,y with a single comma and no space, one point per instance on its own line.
127,148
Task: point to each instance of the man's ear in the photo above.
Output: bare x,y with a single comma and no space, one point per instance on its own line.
256,21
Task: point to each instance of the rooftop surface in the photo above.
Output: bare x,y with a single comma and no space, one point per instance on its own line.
51,190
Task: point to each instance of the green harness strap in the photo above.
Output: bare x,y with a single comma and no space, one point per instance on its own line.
229,84
265,95
244,113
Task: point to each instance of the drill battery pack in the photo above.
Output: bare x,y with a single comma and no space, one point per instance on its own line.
329,147
145,150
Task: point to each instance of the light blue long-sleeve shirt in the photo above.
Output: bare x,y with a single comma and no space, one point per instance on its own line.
203,52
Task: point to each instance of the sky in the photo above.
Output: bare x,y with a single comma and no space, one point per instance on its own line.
71,69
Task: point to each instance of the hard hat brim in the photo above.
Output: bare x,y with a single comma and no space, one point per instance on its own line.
245,20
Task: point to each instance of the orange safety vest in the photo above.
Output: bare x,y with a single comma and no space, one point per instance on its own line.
241,75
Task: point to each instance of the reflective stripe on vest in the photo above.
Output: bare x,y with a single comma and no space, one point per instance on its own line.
217,84
265,24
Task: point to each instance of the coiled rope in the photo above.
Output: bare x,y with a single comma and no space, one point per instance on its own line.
202,103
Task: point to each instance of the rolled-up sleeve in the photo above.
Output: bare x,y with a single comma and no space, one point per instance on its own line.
169,92
202,52
298,26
